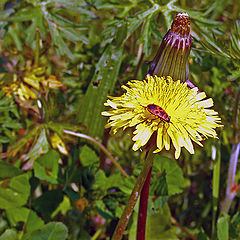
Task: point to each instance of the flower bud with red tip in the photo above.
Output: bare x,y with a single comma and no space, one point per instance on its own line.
172,56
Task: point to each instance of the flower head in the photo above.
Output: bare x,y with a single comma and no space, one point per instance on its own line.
177,114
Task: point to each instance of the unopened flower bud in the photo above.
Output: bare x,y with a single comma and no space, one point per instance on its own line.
172,56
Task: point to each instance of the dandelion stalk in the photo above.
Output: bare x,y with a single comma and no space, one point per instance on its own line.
143,205
164,107
122,224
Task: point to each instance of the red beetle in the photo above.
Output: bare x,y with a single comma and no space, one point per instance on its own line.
159,112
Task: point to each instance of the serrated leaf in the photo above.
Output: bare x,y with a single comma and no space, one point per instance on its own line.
174,175
88,156
50,231
46,167
15,193
8,171
102,84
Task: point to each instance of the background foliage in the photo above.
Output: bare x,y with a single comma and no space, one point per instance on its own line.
59,62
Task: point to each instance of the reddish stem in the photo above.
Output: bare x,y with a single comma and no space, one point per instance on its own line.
142,213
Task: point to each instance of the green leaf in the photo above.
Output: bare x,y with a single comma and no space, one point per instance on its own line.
5,13
235,226
9,234
60,46
88,156
174,175
41,146
33,222
104,183
223,227
46,167
202,236
25,215
48,202
50,231
63,207
20,144
160,186
102,84
25,14
158,226
16,193
8,171
127,185
103,212
13,125
73,35
146,37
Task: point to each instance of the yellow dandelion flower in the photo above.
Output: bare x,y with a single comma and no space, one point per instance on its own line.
177,114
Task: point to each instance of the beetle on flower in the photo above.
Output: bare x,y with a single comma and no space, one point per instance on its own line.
186,115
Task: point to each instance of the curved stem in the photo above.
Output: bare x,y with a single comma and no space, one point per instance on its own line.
122,224
101,146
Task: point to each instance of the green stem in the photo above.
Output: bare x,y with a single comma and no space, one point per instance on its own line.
216,182
122,224
37,50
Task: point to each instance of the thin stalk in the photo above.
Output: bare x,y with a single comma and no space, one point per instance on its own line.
122,224
216,182
142,213
232,190
174,221
102,148
37,50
